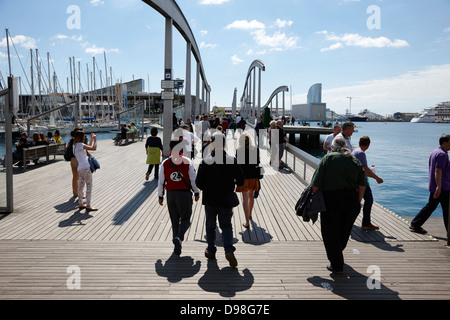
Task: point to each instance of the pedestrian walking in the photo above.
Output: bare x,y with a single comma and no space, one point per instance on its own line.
360,154
347,131
438,185
154,150
247,154
329,139
282,144
80,150
340,176
218,175
177,176
69,156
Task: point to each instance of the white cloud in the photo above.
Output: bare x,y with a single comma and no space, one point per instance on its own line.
20,40
203,32
207,45
236,60
333,47
283,23
96,3
212,2
409,92
356,40
256,53
95,51
278,41
245,25
59,36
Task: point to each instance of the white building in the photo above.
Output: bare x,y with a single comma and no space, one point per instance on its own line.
314,109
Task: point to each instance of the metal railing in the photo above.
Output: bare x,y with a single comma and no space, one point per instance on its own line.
61,123
133,115
302,163
6,174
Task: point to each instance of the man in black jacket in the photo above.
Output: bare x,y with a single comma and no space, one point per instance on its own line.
217,177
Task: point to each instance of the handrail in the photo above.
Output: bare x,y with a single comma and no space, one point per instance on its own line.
307,159
50,111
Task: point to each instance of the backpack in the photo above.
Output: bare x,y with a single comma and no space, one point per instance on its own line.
68,154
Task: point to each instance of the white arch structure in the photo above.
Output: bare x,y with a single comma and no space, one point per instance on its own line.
175,17
282,89
249,106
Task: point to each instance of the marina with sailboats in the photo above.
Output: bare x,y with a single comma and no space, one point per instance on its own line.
91,98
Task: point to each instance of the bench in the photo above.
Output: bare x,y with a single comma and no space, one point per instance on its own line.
35,153
133,135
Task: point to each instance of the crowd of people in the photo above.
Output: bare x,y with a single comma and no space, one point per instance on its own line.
342,178
37,139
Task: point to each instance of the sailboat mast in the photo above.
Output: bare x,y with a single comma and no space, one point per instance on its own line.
71,77
9,56
106,81
32,84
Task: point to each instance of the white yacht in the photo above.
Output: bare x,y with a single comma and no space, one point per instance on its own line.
438,114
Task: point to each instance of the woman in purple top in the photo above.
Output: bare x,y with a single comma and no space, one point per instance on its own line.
439,186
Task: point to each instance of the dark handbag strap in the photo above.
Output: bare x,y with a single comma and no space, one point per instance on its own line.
182,178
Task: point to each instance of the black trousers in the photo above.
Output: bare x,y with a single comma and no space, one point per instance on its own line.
343,208
430,207
179,203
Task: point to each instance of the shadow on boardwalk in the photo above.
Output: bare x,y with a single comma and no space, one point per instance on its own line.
226,281
354,286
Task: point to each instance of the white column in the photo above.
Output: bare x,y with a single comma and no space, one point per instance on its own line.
197,94
187,93
168,104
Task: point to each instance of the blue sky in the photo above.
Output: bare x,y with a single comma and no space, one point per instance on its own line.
399,62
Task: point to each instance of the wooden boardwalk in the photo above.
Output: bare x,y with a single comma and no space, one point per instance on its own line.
123,251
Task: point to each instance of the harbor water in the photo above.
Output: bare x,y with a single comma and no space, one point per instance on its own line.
400,153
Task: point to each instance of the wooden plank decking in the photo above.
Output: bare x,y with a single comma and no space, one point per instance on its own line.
124,249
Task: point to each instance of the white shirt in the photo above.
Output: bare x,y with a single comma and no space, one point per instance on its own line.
329,139
191,138
348,141
81,155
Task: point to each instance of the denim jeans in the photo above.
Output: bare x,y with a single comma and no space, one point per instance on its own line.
431,206
224,216
367,208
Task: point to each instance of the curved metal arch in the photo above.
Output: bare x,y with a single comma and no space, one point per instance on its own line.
170,9
255,64
277,91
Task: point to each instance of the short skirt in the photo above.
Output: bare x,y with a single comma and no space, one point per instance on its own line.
249,185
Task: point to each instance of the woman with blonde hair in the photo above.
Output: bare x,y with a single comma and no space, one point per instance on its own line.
247,154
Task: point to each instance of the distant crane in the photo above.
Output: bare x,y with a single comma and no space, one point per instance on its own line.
351,98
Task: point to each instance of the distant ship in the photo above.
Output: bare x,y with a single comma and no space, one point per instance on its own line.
356,118
438,114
